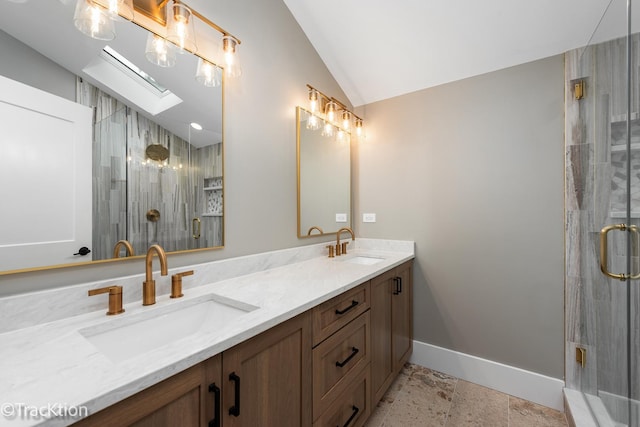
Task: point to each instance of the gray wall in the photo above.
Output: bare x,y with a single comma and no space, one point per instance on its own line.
473,172
30,67
260,142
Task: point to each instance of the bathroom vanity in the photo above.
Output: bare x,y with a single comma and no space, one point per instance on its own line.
312,341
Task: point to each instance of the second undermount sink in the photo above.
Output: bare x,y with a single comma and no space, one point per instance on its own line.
364,260
124,338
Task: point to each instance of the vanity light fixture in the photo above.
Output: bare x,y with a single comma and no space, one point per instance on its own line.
95,18
318,101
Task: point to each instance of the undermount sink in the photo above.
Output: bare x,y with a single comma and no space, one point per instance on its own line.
364,260
125,338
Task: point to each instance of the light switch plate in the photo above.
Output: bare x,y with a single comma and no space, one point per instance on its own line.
369,217
341,217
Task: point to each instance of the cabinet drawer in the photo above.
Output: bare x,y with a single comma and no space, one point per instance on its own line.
337,360
332,315
352,408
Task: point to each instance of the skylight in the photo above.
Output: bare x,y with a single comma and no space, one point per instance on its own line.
134,69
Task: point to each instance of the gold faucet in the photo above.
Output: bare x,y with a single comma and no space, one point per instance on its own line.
149,285
115,298
126,244
342,250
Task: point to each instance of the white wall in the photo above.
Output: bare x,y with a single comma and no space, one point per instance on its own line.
473,172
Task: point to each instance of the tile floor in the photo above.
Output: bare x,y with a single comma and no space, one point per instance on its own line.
422,397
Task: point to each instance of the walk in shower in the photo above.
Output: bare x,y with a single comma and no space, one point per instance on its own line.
602,352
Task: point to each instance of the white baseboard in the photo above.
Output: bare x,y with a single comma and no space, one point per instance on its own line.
514,381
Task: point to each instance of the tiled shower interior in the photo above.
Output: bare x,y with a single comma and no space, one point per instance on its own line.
175,202
602,314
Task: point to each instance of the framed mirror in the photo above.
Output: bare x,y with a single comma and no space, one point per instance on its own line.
324,175
153,178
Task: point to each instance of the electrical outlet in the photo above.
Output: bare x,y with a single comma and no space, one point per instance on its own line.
341,217
369,217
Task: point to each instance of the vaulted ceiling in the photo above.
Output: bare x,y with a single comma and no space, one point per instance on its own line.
378,49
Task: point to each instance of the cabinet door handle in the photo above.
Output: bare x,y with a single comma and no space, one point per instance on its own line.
355,410
213,388
354,351
399,284
353,304
235,409
396,288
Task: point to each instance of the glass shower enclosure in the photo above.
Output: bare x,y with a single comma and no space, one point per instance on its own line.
602,301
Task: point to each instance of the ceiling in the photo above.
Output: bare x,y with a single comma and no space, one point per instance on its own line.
378,49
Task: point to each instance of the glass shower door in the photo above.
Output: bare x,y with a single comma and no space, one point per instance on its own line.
603,220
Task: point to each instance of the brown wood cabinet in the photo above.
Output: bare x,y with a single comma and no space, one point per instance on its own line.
268,378
328,366
181,400
391,326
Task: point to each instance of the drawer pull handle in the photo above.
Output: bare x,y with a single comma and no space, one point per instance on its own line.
398,287
235,409
355,410
354,351
213,388
353,304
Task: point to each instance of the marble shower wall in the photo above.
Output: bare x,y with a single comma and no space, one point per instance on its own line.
127,185
598,316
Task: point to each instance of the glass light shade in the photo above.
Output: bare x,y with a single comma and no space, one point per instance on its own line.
330,111
93,20
359,127
120,9
231,61
160,52
313,100
346,120
328,130
180,28
208,74
313,123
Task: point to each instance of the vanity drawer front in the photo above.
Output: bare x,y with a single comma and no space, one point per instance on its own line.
332,315
352,408
337,360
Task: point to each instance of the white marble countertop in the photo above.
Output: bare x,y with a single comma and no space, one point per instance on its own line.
47,367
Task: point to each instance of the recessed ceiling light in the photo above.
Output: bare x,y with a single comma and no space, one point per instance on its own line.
196,126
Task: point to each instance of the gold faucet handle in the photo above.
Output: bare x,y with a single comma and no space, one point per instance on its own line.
176,283
115,298
331,254
344,248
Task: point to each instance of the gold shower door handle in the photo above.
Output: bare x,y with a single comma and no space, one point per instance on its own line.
195,225
604,250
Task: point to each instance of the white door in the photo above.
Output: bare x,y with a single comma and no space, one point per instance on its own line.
45,217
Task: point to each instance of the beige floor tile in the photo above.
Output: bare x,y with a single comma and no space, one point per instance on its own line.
474,405
523,413
424,400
